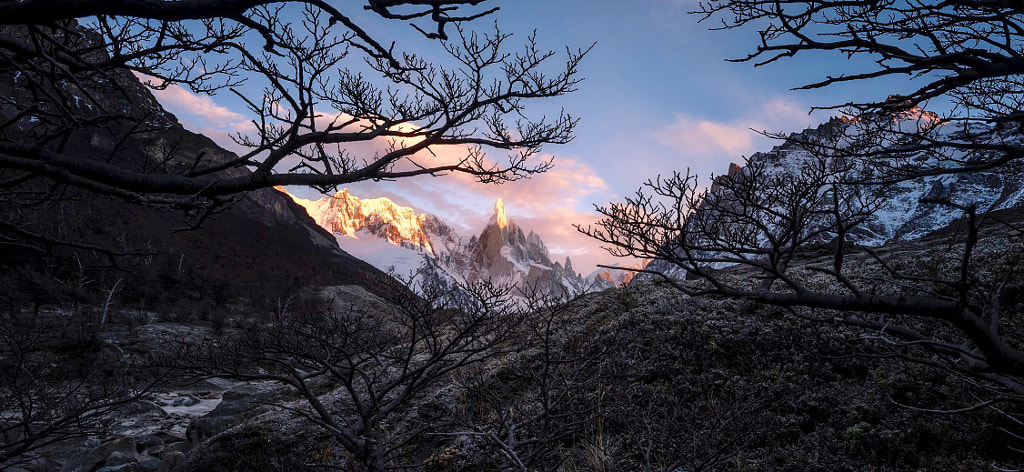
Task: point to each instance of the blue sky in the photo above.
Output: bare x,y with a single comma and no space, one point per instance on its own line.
658,96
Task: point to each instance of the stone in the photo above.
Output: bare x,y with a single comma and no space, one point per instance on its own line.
186,400
142,408
170,461
234,403
170,437
147,442
118,452
206,427
149,462
155,451
128,467
182,447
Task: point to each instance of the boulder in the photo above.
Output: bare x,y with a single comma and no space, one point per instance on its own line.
206,427
171,461
113,455
148,442
148,462
129,467
177,447
37,464
234,404
119,452
142,408
68,451
170,437
185,400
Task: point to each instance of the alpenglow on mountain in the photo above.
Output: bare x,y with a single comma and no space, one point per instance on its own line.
393,237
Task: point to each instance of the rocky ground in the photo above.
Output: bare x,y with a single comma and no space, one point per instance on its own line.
640,378
159,432
679,383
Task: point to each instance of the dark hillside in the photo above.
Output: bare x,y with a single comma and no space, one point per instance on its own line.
652,380
261,242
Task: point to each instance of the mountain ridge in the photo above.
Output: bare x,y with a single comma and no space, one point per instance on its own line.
906,212
259,240
501,252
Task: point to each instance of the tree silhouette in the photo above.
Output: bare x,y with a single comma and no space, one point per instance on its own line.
786,238
963,54
327,83
355,366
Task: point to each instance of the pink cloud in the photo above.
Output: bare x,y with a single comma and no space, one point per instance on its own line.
199,110
178,100
711,145
548,204
706,139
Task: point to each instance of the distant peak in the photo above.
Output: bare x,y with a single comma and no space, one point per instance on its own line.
499,214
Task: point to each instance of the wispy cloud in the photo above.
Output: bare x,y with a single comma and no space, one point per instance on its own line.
201,114
707,139
709,145
200,109
548,203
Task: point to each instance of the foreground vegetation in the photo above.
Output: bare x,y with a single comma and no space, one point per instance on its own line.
639,378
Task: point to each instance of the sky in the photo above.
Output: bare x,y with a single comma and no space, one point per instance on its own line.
658,96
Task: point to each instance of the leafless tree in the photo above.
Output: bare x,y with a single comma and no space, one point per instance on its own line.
356,367
316,81
963,54
785,238
779,239
51,392
530,407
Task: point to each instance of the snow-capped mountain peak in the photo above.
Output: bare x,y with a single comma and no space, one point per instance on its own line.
905,210
347,215
391,236
499,214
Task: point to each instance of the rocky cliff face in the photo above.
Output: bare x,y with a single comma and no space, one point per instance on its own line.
391,236
262,239
903,215
618,276
504,252
902,211
346,215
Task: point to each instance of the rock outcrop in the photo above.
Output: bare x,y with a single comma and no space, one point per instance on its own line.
262,239
900,211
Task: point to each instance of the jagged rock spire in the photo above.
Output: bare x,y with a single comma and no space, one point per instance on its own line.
499,214
501,252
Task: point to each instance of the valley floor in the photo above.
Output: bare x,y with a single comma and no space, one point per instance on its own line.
640,378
